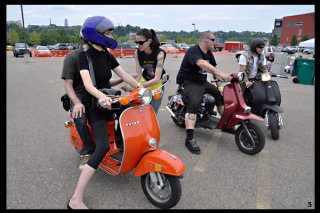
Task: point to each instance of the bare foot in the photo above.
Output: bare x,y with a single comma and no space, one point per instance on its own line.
77,204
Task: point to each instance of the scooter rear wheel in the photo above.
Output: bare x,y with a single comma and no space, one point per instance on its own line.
244,142
163,197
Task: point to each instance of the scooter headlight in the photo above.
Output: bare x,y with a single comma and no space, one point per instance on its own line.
265,77
240,76
152,142
145,95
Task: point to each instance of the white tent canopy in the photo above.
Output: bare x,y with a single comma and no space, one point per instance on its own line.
308,43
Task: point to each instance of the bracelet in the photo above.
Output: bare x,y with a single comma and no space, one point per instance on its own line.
138,85
219,87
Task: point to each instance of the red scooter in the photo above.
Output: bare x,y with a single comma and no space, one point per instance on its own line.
248,136
160,170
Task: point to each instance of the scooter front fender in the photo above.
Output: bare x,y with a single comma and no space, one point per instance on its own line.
237,118
160,161
275,108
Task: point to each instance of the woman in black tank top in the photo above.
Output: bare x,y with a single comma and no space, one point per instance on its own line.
149,63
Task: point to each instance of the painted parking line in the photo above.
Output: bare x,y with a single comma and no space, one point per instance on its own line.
207,152
263,195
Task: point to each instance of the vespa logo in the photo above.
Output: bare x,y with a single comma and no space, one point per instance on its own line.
133,123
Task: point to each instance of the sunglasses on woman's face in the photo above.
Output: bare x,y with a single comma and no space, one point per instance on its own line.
141,42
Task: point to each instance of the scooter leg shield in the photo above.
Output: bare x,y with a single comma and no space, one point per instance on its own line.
237,118
160,161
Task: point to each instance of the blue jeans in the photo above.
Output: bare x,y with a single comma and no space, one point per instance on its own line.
156,103
88,146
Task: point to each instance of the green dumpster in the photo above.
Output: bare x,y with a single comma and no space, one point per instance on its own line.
303,68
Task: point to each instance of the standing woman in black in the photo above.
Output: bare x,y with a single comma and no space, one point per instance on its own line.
96,31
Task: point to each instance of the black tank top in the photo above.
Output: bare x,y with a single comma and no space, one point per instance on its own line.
149,63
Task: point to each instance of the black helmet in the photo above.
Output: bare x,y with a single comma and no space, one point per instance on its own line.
254,43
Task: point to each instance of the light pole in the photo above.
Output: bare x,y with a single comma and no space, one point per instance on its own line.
194,27
24,32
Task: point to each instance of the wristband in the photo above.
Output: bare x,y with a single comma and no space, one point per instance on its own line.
138,85
219,87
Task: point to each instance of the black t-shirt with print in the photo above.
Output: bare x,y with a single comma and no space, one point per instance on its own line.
189,70
103,62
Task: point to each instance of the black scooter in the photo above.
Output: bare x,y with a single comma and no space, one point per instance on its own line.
264,98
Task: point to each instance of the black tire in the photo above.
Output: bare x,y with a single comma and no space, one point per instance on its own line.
179,118
243,141
179,122
273,125
171,185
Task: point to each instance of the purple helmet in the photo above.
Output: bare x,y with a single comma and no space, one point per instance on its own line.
93,29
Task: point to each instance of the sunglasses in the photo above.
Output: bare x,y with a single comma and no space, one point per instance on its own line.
212,39
140,42
261,47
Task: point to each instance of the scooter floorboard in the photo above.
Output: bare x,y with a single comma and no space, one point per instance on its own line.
209,122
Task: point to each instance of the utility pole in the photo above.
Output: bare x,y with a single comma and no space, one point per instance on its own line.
24,33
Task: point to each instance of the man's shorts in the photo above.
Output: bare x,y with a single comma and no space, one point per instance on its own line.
193,93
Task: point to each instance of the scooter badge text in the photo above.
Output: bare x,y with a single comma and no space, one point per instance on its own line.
133,123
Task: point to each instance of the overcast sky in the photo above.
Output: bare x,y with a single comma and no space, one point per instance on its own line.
259,18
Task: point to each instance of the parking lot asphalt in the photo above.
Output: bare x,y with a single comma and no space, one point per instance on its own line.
42,165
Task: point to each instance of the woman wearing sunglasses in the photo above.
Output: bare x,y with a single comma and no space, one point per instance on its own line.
253,61
149,63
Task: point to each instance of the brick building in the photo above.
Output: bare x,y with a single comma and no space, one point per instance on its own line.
298,25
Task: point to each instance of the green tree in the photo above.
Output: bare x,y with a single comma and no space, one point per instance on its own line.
249,41
294,40
163,38
178,39
193,40
45,38
305,37
13,37
63,36
34,38
274,41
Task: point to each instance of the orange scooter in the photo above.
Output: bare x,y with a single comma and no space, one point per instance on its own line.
160,170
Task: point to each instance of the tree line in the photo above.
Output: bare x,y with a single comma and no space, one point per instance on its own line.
52,34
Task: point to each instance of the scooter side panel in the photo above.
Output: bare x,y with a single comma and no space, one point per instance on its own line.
138,125
170,163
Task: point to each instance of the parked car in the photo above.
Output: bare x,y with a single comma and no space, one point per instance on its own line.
126,46
272,49
61,46
9,47
288,50
182,46
218,46
20,48
51,47
308,51
42,51
169,49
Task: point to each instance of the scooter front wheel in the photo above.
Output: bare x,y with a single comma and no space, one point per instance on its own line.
249,144
165,193
273,125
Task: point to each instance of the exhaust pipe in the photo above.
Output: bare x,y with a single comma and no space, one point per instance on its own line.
170,111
